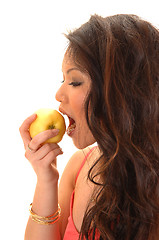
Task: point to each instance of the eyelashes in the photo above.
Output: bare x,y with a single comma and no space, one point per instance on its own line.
73,83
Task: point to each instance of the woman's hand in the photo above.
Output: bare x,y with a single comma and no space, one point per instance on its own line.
41,156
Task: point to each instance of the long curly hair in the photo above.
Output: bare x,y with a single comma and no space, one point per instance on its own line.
121,55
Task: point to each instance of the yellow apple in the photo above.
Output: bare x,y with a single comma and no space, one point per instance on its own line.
48,119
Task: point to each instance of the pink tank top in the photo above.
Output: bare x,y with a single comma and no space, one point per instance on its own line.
71,232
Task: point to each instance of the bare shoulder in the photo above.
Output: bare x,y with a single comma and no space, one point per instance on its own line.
67,185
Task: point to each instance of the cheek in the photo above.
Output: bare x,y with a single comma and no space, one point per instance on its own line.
78,104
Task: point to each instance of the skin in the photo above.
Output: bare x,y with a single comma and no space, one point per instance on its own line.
72,99
43,160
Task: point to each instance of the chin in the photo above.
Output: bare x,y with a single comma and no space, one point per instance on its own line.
82,144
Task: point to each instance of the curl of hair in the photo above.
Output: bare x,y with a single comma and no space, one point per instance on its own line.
121,55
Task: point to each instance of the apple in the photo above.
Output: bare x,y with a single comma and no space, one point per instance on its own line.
48,119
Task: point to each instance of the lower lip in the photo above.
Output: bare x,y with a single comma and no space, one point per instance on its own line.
70,134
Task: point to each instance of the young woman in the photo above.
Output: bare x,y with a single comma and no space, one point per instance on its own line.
110,92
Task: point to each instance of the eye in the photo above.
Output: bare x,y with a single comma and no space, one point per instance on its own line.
75,84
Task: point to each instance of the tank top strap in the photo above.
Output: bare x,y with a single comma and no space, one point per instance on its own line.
83,162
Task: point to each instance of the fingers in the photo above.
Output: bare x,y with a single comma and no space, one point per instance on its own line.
24,129
41,156
39,139
50,157
44,150
42,137
44,159
36,150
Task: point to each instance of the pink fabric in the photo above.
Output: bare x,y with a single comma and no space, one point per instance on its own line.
71,232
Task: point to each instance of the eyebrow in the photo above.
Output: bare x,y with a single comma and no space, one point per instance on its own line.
72,69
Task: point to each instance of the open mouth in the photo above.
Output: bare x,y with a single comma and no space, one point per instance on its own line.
71,127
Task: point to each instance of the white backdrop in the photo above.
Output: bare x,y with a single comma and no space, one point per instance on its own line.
31,51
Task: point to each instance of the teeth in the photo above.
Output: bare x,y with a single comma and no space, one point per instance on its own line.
71,128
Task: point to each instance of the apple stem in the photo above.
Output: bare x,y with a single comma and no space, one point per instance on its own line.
51,127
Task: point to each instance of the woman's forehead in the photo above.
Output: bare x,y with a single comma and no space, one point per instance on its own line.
67,61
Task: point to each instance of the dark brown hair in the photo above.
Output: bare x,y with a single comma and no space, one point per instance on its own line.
121,55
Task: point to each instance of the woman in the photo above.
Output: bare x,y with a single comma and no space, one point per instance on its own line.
110,93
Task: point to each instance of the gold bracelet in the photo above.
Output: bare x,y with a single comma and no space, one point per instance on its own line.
51,219
45,222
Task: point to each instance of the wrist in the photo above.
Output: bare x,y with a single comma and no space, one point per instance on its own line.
47,184
45,198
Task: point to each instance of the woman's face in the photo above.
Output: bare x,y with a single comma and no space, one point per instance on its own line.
72,96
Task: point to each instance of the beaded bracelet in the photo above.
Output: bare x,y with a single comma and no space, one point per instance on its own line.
51,219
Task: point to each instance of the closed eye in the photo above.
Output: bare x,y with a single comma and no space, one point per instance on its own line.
75,84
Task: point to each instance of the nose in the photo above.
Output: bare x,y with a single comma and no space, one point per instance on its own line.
60,97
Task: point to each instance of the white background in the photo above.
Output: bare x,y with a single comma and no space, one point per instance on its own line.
31,51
